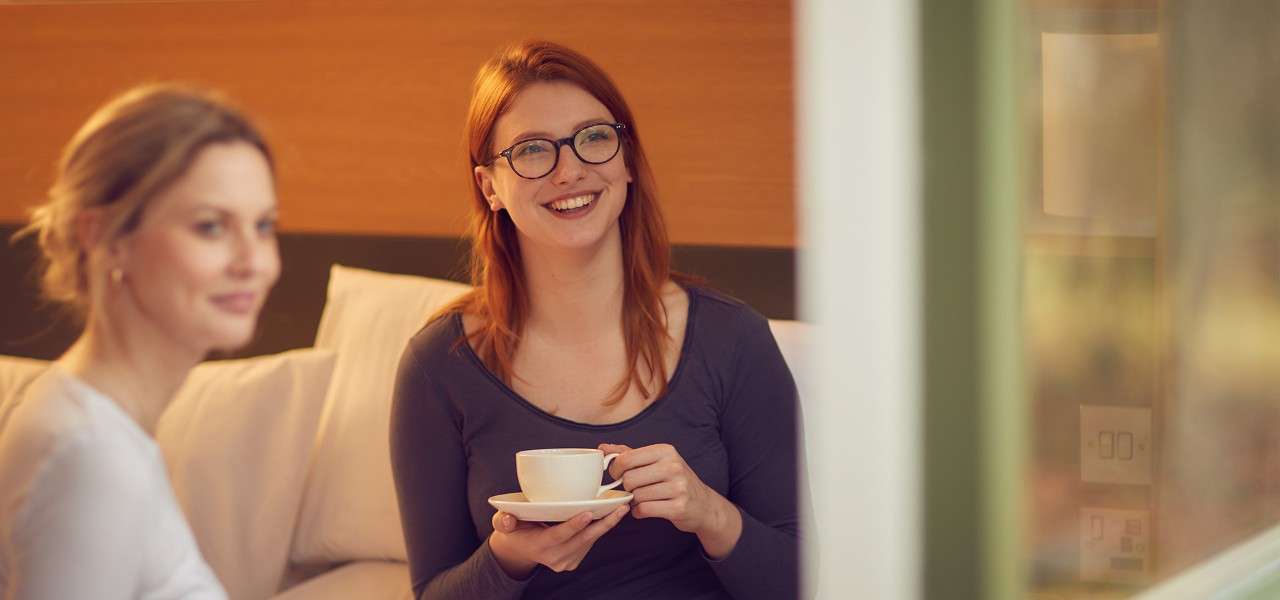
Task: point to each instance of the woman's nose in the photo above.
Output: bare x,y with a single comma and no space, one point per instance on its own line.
256,254
568,168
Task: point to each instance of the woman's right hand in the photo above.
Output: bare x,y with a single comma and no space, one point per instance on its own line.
520,546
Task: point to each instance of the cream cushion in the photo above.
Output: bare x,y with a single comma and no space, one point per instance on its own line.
349,509
366,580
237,438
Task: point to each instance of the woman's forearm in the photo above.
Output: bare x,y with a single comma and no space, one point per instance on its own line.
480,576
720,537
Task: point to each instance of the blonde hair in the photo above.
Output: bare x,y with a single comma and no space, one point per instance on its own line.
129,150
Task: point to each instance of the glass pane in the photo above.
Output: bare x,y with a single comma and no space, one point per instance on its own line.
1151,287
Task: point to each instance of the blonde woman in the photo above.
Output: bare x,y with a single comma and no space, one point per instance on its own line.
159,233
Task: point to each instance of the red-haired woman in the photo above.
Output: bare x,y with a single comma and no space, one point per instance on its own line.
578,335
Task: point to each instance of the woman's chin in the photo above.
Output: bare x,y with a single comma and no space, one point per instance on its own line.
582,240
231,341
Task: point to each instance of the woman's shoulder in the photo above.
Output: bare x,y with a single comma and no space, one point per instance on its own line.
442,343
439,340
60,436
718,312
57,410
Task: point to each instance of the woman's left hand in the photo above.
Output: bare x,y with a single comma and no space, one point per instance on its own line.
666,487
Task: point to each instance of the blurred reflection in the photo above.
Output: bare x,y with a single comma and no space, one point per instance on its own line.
1220,473
1091,334
1151,287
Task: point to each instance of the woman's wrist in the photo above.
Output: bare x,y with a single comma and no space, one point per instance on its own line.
722,533
513,566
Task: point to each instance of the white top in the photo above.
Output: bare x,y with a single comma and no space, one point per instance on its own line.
86,510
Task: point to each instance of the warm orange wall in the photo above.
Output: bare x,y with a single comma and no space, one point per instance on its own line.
364,101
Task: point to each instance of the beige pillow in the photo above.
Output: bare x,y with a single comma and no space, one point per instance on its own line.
238,438
365,580
349,509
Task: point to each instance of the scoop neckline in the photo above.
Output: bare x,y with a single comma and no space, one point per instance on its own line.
685,346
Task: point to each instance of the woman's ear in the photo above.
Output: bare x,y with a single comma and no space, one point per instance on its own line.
91,232
88,228
484,181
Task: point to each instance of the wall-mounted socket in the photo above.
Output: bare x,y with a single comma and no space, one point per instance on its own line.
1115,444
1115,545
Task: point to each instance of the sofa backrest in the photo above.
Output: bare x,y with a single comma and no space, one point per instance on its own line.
348,507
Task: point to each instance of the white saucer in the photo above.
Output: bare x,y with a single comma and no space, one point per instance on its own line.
555,512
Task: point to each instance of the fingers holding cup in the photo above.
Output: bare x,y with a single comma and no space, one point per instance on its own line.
614,470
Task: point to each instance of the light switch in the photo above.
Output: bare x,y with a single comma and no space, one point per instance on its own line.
1124,445
1115,444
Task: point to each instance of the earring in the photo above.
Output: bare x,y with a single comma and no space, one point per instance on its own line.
117,275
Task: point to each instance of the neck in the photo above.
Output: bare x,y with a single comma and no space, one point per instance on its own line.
575,294
140,371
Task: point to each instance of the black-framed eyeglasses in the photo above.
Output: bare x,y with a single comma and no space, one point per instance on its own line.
535,158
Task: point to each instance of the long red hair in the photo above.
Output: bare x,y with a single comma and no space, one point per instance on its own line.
501,295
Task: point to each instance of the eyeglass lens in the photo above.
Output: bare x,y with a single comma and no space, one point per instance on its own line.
594,145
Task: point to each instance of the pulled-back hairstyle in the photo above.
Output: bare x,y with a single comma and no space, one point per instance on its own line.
129,150
501,296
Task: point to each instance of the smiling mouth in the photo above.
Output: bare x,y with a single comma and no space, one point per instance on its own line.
574,204
237,303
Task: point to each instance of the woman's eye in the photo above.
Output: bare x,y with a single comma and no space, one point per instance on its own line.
209,228
596,135
267,226
529,149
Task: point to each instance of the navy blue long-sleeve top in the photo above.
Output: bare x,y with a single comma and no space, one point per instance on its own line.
730,411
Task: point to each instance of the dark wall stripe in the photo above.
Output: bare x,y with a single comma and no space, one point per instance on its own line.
763,277
953,526
974,413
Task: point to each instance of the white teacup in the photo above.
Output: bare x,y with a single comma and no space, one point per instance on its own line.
562,474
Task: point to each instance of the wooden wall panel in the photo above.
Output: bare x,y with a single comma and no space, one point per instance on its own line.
364,101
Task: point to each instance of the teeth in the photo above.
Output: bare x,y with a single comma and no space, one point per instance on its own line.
575,202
